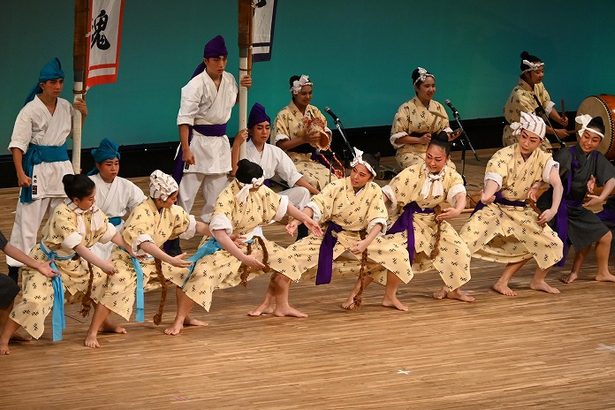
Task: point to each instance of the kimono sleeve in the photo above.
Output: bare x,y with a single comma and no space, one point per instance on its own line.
497,167
63,228
274,205
222,216
139,227
401,125
322,204
281,129
604,169
376,209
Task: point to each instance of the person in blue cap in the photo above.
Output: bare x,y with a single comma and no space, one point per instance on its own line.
40,157
115,196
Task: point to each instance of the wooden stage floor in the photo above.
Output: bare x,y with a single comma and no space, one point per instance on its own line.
533,350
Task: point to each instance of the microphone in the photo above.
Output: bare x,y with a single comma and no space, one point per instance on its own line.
332,114
452,107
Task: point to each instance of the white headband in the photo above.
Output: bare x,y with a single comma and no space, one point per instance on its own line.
584,120
358,159
530,122
423,74
297,84
242,195
161,185
532,66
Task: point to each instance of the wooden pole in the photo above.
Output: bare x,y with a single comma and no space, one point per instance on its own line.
79,57
245,51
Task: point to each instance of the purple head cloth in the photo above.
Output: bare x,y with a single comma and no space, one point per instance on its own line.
257,115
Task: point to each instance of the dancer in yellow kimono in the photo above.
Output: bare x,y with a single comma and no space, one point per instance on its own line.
422,190
354,211
300,129
75,225
530,95
506,230
240,209
417,120
149,225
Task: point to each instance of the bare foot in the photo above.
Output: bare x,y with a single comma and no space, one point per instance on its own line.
439,294
111,328
174,329
194,322
288,311
349,303
543,286
503,289
394,303
20,337
460,295
4,349
606,277
263,309
571,277
91,341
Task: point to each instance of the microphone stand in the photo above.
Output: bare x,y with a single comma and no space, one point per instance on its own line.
465,142
340,128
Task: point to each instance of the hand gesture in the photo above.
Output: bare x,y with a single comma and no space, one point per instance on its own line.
46,270
454,135
485,199
23,180
593,201
252,262
246,81
188,157
180,261
81,106
291,227
563,120
242,136
546,216
591,184
108,267
448,213
314,227
425,138
359,247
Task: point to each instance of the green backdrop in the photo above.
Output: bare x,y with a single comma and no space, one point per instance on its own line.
358,53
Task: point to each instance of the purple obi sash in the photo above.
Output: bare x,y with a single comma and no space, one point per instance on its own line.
325,255
215,130
499,199
405,223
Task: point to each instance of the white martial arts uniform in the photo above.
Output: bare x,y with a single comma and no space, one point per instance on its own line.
116,199
203,104
276,163
36,125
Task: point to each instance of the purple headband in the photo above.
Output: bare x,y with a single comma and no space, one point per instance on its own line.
215,48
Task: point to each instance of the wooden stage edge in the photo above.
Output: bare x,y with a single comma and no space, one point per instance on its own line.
533,350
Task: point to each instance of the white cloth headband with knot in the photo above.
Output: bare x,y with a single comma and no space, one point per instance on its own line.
358,159
161,185
242,195
530,122
423,74
531,66
297,84
584,120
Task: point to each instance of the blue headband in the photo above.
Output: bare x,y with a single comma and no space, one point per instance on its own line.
50,71
105,151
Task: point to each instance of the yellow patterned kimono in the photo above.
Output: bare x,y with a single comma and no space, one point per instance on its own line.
221,270
453,259
289,124
67,227
413,117
354,213
509,234
522,100
145,223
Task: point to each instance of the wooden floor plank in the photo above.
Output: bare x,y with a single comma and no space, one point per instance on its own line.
534,350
